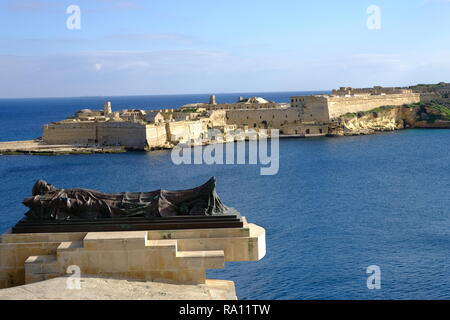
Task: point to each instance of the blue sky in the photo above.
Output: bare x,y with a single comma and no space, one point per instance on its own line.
133,47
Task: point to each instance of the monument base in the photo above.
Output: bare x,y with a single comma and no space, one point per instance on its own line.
128,224
171,256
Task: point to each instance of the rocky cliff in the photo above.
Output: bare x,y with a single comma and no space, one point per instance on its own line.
418,115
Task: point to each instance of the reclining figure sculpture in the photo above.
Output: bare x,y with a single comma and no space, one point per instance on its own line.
50,203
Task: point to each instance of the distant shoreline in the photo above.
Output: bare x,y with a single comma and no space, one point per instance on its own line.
103,97
37,148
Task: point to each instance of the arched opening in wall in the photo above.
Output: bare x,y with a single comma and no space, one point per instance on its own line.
308,131
320,130
264,124
254,125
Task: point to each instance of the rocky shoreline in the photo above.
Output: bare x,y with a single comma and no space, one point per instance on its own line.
385,119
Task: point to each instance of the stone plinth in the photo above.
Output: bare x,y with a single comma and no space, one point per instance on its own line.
178,256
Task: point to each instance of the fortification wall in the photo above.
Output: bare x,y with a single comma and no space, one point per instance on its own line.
263,118
156,135
217,118
238,106
68,133
312,108
304,129
338,106
132,135
184,131
125,134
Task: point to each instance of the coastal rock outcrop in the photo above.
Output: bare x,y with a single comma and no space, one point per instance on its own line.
418,115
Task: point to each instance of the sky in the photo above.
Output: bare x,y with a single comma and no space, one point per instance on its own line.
145,47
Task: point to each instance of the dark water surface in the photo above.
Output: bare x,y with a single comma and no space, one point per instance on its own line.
336,206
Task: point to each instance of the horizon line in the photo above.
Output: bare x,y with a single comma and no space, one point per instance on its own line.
159,94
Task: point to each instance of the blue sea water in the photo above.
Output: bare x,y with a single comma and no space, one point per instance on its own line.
337,205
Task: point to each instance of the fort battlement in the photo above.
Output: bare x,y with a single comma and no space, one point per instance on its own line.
377,90
328,107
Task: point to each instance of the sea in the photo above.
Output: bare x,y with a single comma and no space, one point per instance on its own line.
337,209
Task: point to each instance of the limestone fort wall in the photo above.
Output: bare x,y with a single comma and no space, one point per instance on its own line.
76,133
340,105
312,108
184,130
131,135
156,135
127,134
103,133
263,118
323,108
238,106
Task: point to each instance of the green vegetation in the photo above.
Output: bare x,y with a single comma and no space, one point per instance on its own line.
359,114
350,115
431,111
437,112
379,109
443,110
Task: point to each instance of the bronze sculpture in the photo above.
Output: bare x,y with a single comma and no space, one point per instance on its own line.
50,203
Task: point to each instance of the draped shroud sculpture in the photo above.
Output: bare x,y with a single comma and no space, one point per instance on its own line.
51,203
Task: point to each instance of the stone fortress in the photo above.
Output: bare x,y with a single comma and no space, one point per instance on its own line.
304,116
348,100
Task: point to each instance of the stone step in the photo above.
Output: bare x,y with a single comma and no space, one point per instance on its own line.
68,252
202,259
163,244
38,268
70,246
115,240
41,259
